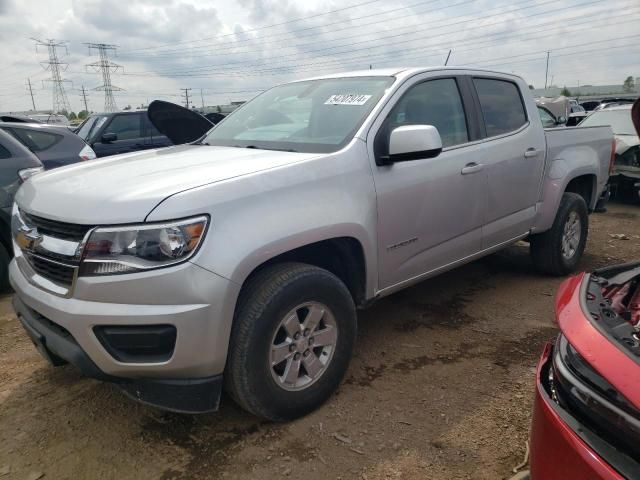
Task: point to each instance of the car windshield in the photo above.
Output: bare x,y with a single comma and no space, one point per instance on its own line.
89,126
315,116
619,120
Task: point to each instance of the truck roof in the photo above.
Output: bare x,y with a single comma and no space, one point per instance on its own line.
404,72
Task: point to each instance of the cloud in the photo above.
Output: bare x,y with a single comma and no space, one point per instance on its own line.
248,45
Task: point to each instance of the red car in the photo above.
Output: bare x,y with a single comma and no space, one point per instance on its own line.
586,421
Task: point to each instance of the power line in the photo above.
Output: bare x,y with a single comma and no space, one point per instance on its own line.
54,65
105,66
259,28
270,59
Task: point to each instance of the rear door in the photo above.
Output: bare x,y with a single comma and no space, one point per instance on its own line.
513,153
128,131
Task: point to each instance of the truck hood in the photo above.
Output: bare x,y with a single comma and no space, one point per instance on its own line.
125,188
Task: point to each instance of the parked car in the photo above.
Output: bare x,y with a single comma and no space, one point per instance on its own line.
241,258
625,176
613,102
590,105
121,132
17,165
586,421
54,146
576,113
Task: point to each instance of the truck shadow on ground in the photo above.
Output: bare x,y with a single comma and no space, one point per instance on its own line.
430,324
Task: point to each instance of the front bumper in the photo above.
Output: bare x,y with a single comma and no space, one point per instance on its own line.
198,303
557,451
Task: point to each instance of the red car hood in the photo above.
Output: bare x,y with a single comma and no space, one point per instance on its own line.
590,339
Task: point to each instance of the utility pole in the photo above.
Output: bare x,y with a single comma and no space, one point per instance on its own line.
447,60
55,66
546,73
33,102
186,96
105,66
84,99
202,99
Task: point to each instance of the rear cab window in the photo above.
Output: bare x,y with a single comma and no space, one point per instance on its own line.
35,140
502,106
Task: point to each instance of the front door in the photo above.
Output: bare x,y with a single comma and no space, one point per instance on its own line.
127,128
430,211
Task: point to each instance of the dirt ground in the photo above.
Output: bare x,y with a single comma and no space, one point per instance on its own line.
440,388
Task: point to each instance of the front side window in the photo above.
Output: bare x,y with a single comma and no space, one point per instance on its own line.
126,127
315,116
547,119
501,104
4,153
434,102
35,140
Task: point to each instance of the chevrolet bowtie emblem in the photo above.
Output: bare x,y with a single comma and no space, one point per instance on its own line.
28,238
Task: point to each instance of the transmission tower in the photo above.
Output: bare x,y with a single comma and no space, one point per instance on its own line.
55,66
105,66
84,98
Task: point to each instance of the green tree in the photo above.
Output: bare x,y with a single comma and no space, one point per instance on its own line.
128,107
82,114
531,87
566,92
72,116
629,86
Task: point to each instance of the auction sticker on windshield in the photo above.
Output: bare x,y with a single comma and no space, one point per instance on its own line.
356,100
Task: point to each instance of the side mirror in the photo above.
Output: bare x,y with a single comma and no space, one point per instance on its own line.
414,142
109,137
562,120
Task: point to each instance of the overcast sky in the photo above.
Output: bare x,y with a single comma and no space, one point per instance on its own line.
231,50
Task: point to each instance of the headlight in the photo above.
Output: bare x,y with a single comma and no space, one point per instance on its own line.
136,248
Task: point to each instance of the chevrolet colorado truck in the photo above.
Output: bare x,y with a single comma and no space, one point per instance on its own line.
238,261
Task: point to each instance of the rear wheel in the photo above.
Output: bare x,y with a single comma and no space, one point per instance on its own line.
291,342
558,250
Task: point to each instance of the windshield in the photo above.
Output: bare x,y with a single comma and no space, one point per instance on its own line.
89,126
315,116
619,120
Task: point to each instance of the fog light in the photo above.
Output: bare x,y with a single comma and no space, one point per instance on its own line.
138,344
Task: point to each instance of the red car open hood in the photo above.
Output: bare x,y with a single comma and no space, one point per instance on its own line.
581,313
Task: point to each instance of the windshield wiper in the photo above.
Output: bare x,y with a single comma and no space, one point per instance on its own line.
255,147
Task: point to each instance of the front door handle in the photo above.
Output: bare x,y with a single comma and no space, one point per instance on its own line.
472,167
531,152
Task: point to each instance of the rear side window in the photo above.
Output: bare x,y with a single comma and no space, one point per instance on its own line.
4,153
501,104
126,127
35,140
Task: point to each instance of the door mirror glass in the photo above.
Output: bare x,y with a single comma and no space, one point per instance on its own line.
109,137
562,120
413,142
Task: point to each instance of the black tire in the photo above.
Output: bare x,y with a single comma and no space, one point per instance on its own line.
263,303
546,248
4,269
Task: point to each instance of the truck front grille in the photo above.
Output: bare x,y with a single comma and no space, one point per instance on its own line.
52,228
57,272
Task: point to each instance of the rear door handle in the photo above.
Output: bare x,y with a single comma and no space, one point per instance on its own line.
472,167
531,152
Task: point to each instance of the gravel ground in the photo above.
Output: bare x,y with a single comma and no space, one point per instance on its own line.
440,388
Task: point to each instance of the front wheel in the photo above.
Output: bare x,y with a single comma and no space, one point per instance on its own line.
291,342
558,250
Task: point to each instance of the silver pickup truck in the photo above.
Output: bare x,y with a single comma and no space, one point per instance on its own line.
238,261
